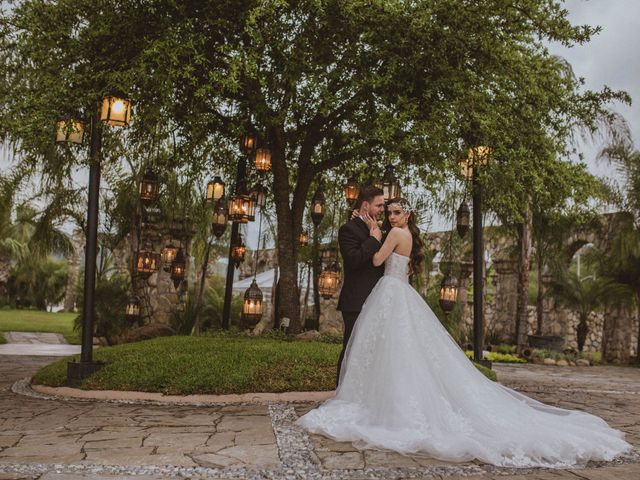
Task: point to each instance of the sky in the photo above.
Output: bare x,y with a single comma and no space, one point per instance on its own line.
612,58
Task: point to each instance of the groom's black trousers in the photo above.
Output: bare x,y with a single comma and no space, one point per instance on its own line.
349,319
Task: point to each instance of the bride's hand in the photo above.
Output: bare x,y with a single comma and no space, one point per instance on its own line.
374,230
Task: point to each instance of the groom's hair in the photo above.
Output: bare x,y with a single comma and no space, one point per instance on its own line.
367,194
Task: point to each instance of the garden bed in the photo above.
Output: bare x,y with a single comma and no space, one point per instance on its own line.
219,364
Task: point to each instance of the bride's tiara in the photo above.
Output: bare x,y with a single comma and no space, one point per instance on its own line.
406,208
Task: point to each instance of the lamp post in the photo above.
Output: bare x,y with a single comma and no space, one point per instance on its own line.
478,155
115,111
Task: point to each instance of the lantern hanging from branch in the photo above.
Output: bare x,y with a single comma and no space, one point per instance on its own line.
242,206
448,293
249,142
463,219
259,194
252,306
238,251
219,218
178,268
318,204
70,131
149,188
389,184
303,238
132,309
116,110
147,262
328,281
167,256
215,189
351,191
263,160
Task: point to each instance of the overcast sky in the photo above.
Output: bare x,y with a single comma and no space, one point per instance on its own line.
612,58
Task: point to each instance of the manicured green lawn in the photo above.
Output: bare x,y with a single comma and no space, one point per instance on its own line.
2,339
217,364
37,321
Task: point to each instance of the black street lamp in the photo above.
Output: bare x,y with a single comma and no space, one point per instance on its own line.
115,111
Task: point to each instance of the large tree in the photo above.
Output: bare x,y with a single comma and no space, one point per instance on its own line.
341,86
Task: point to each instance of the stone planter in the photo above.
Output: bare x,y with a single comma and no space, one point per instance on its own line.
546,342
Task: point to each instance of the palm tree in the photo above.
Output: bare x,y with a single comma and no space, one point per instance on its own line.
584,296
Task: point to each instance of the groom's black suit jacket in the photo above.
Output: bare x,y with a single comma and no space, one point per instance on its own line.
357,247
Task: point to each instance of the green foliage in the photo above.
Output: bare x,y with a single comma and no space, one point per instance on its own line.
2,339
538,355
111,296
37,282
498,357
451,321
38,321
506,348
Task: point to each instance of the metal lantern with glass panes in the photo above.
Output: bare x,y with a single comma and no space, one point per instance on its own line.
252,306
389,184
219,218
70,131
149,188
116,110
148,261
463,219
242,206
263,160
328,280
303,238
132,309
328,255
317,207
238,251
249,142
178,268
259,194
466,168
479,155
167,255
215,189
448,293
351,191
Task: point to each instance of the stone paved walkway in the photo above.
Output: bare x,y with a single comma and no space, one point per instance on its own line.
70,439
37,344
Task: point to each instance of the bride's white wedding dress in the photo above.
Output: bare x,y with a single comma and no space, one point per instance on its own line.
407,386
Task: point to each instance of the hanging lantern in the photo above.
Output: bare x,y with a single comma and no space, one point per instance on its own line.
462,219
479,155
328,255
70,131
263,160
219,218
238,251
259,195
149,188
303,238
242,205
317,207
215,189
252,306
351,191
448,293
389,184
328,281
147,261
116,111
132,309
249,142
167,255
466,168
178,268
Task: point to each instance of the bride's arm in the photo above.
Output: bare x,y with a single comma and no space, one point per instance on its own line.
387,247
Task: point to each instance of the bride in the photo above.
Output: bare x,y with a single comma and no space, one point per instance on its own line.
407,386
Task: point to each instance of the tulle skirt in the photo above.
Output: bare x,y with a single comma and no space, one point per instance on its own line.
407,386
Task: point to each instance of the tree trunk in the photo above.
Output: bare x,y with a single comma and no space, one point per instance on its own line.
306,295
583,330
638,320
317,266
197,328
524,240
539,299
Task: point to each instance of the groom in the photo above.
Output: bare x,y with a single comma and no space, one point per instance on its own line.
358,243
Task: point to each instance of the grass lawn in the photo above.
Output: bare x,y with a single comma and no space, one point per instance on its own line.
38,321
217,364
2,339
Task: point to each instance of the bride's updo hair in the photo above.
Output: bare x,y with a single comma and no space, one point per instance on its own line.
417,248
